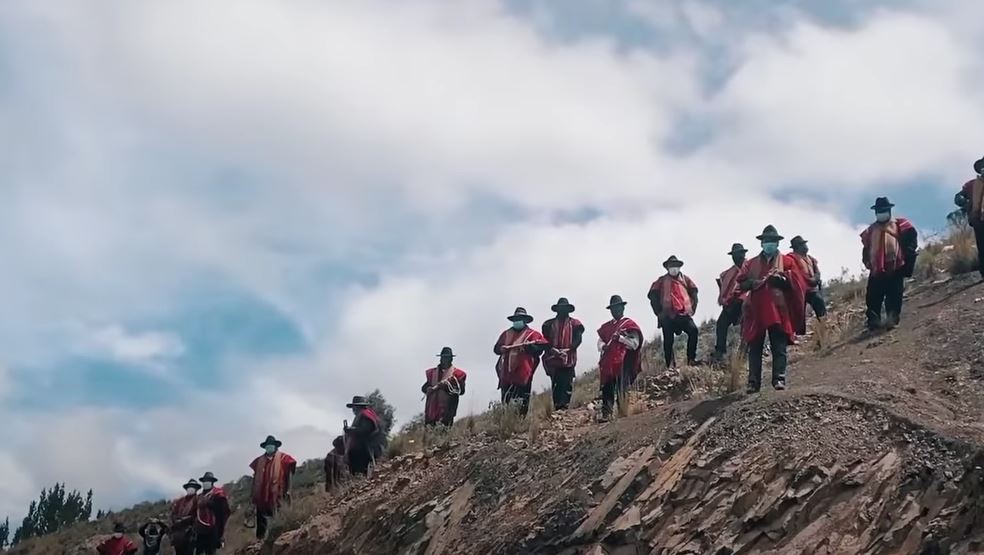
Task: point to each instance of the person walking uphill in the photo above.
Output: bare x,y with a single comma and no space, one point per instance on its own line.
272,473
444,387
775,308
118,543
810,269
519,349
971,200
620,343
674,300
565,335
213,514
889,253
183,511
730,299
364,438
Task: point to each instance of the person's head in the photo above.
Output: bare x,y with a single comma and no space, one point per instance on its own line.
270,445
338,444
563,308
446,357
883,209
737,253
979,167
118,530
770,241
208,481
799,246
191,487
520,318
673,265
616,306
358,404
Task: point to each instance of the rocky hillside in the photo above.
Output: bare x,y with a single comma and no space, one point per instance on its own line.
875,449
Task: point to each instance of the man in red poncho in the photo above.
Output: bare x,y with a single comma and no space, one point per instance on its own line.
673,298
118,543
730,299
775,308
971,200
213,514
183,511
889,253
560,359
620,343
364,438
444,386
519,349
810,269
272,472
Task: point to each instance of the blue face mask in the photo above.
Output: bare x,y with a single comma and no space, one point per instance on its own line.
770,248
518,325
270,449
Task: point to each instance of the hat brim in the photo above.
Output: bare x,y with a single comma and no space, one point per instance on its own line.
676,264
623,303
276,443
882,206
443,355
776,237
353,405
515,318
192,485
739,251
212,479
566,307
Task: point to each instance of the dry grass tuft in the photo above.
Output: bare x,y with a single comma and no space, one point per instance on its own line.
962,258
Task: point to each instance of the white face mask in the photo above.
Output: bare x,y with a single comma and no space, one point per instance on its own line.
207,485
118,535
883,216
674,272
190,491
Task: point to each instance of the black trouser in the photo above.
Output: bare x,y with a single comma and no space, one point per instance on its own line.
885,289
263,517
609,392
979,235
359,459
680,324
815,300
730,316
519,394
562,387
207,541
778,342
184,548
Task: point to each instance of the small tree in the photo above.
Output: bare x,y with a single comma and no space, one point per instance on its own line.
54,510
383,409
5,534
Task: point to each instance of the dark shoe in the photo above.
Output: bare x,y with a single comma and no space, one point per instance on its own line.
751,390
779,386
695,362
873,325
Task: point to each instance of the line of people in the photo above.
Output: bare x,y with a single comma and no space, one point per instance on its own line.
766,296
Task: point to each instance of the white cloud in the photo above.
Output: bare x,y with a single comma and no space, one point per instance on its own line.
148,348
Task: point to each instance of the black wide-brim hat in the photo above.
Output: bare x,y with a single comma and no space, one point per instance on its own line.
798,240
770,233
358,401
616,300
119,528
208,477
520,314
446,352
270,440
882,204
193,483
979,166
562,303
673,262
737,248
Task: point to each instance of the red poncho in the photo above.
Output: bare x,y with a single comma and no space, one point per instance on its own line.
560,333
270,476
769,306
213,511
728,285
614,354
674,295
439,400
809,267
882,243
516,366
182,518
117,546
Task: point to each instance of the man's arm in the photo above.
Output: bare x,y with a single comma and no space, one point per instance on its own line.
654,300
692,291
578,336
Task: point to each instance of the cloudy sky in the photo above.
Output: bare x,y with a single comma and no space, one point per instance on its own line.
221,220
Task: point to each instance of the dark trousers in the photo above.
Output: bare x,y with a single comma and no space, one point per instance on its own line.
207,542
884,290
815,301
610,392
778,342
680,324
359,459
186,548
562,387
979,235
519,394
730,316
263,517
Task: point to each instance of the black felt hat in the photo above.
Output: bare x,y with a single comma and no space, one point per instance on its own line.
738,248
797,241
270,440
616,300
882,204
979,166
446,352
770,234
563,305
673,262
208,477
520,314
358,401
193,483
